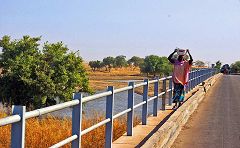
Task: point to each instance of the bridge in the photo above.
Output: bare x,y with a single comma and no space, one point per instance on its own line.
221,107
216,123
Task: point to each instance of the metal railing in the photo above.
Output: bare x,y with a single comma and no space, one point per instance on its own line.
19,114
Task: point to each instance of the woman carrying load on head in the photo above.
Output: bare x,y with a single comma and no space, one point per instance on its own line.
180,74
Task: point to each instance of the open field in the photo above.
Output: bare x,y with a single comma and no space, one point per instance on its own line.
42,133
118,77
99,80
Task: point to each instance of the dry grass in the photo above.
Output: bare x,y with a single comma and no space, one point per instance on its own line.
42,133
99,80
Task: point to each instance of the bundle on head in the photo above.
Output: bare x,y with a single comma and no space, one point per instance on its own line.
181,52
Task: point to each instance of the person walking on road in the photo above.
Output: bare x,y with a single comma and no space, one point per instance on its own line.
180,74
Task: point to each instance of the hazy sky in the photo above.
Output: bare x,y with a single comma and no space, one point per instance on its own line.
100,28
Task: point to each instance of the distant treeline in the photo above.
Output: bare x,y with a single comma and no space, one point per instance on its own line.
153,64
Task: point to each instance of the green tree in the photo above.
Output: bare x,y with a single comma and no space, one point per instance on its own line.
95,65
156,65
150,65
120,61
92,65
30,75
136,61
235,67
164,67
17,61
109,62
218,65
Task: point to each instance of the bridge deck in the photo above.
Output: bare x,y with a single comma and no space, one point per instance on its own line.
216,123
142,133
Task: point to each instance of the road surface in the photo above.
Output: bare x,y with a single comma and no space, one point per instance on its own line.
216,123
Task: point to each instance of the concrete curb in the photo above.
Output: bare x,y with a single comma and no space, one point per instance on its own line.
169,131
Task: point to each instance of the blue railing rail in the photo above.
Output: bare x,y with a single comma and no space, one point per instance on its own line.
19,114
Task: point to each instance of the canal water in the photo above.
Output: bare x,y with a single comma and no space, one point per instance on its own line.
98,106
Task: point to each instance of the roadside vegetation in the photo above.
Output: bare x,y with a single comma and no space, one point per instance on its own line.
47,131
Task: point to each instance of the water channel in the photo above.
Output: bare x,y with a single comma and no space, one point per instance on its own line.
98,106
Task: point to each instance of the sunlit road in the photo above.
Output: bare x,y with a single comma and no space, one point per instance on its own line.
216,123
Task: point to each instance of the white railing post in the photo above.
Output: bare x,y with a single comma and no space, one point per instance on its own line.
130,115
155,102
164,95
77,120
171,91
109,114
145,106
18,128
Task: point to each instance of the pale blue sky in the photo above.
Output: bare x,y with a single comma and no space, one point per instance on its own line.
100,28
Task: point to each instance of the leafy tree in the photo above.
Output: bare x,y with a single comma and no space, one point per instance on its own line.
218,64
164,67
136,61
199,63
150,65
95,65
156,65
235,67
99,64
92,65
30,76
109,62
121,61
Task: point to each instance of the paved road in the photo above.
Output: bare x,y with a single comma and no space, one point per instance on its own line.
216,123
